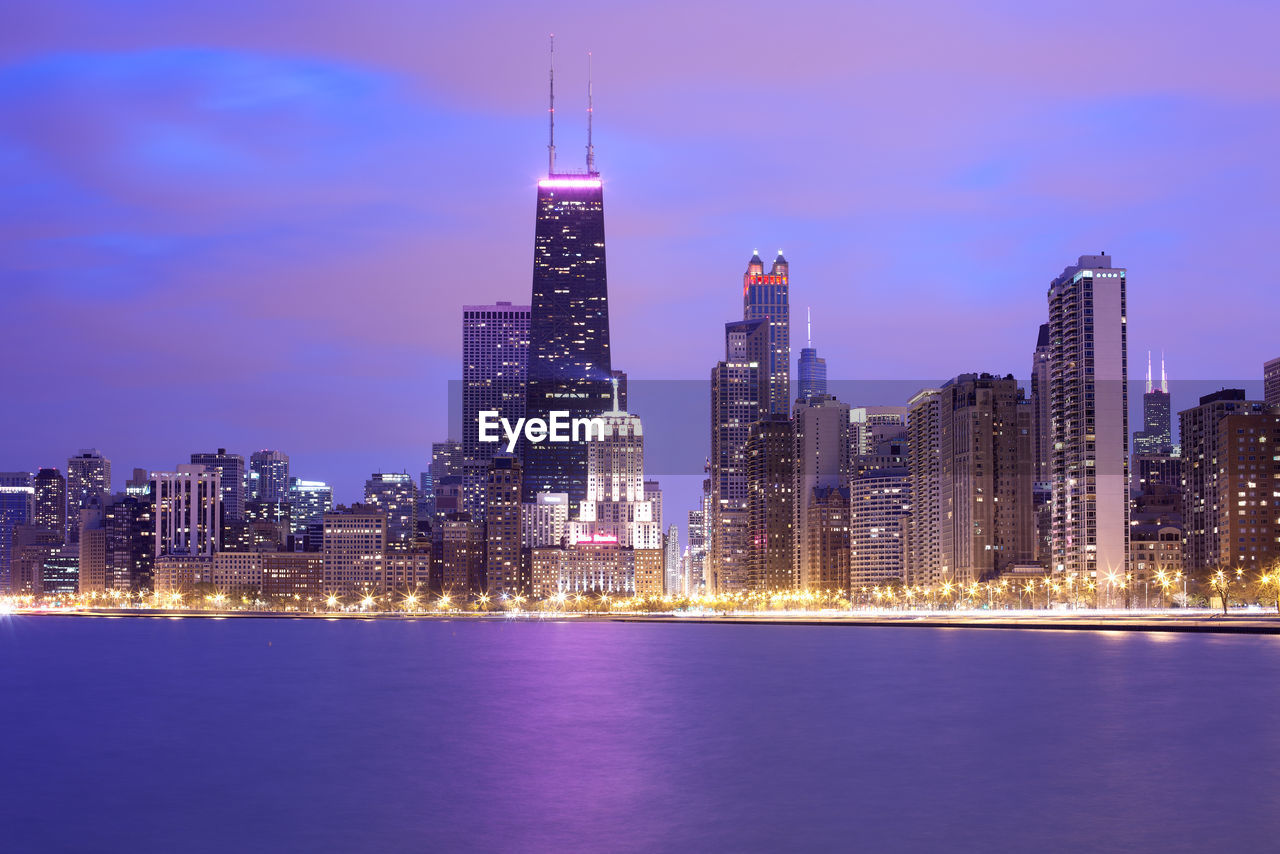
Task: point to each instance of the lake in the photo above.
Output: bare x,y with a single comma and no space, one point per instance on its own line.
159,735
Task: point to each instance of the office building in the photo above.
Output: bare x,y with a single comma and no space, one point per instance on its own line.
766,297
88,485
811,369
495,365
504,572
1156,435
50,495
187,511
355,551
771,512
879,502
821,462
17,506
271,475
397,494
1248,485
922,535
1271,383
230,469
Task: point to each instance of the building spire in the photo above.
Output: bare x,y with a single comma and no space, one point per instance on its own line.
1164,378
808,323
551,111
614,380
1148,372
591,151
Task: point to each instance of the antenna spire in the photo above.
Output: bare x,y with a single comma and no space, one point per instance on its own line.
551,111
1164,378
808,322
591,151
1148,372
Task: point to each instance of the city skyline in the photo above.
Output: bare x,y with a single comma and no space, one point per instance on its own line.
341,271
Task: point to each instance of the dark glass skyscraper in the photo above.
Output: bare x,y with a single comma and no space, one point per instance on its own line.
1156,435
569,368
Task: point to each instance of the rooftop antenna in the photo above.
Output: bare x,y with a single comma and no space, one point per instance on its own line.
1164,378
1148,372
591,151
551,111
808,322
615,394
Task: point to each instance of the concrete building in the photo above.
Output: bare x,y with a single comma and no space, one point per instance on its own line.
1041,415
985,478
615,504
879,499
1205,494
293,576
237,573
825,539
1089,410
355,551
1271,383
671,581
92,558
821,462
462,564
187,511
921,547
1248,487
309,500
545,521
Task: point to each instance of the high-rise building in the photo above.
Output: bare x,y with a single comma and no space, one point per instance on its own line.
1205,492
1041,417
821,462
397,494
272,470
495,366
695,559
652,493
825,535
766,296
355,551
671,584
771,520
615,506
811,369
50,493
187,511
463,555
1249,473
230,468
569,360
88,485
984,472
921,547
544,522
309,500
1156,435
17,504
129,520
879,502
446,469
1271,383
92,558
503,566
1089,410
739,395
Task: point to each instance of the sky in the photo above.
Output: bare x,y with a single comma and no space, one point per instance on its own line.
253,224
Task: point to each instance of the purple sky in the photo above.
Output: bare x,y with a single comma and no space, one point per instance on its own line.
253,224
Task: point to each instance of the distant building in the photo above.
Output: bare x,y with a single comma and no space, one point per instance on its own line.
294,576
1156,435
309,500
397,494
50,493
88,485
462,564
272,471
879,500
825,541
230,469
1271,383
821,461
1248,520
671,584
495,368
129,521
504,572
811,370
766,296
1205,494
355,551
187,511
922,546
545,522
17,505
771,511
1041,414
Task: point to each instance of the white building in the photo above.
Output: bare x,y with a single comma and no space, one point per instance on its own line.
188,504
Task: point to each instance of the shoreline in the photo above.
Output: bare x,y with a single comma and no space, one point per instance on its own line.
1198,623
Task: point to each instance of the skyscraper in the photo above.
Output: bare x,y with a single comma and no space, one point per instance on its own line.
187,511
811,369
272,469
495,366
504,573
50,513
1156,435
309,500
1089,408
230,469
739,396
396,494
569,362
88,484
921,547
821,462
766,296
17,503
771,514
1041,421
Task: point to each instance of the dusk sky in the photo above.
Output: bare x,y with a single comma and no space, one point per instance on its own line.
253,225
